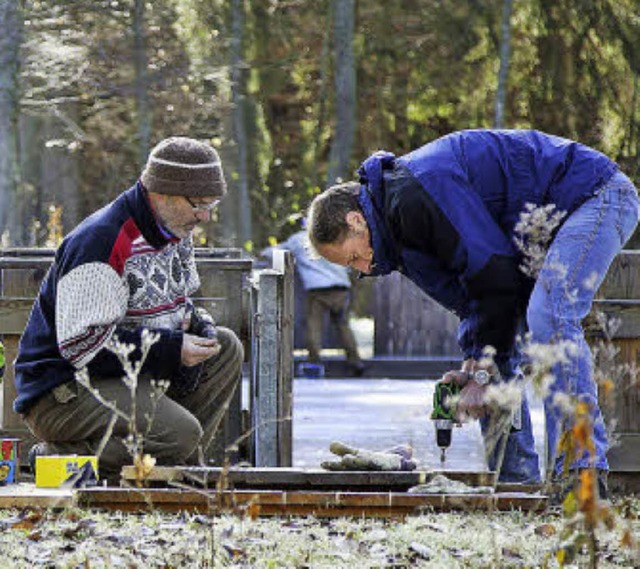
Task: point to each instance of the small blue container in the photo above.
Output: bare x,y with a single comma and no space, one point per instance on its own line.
310,371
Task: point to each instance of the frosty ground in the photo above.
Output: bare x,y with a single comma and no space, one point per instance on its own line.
91,539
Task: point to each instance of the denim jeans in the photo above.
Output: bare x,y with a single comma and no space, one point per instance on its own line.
574,267
584,248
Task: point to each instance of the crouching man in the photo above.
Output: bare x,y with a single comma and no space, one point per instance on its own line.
125,271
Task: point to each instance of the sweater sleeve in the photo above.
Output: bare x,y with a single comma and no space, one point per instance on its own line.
91,301
485,293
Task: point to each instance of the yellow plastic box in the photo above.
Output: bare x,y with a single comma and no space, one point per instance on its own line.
53,470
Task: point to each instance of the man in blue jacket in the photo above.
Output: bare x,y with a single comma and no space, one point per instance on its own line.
126,271
445,215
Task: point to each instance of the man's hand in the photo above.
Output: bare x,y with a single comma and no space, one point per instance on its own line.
470,403
196,349
455,376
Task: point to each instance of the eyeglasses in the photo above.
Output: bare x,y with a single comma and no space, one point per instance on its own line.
196,207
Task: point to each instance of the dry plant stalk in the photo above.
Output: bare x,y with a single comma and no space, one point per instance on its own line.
134,441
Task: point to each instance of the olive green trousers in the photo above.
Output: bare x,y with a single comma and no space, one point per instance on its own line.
71,419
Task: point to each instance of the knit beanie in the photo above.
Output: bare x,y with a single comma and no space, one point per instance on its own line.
181,166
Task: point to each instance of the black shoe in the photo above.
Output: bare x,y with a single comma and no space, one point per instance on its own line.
38,449
357,370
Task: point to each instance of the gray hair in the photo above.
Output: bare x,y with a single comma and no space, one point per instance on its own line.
326,221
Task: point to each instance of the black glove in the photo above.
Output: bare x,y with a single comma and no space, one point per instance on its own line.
187,379
202,323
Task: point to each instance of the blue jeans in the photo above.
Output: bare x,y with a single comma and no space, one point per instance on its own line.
585,247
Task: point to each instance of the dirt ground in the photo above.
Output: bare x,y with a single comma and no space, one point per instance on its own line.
91,539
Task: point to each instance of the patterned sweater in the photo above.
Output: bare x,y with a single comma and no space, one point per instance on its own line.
116,273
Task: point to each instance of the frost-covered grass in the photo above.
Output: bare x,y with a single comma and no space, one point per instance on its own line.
79,538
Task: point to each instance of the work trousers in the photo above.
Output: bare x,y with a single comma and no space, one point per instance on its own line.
336,302
71,420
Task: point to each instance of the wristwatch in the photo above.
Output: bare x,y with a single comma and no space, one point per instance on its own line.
481,377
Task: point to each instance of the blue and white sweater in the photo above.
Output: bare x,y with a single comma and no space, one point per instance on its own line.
117,273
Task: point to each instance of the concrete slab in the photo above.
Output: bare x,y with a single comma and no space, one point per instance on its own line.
379,413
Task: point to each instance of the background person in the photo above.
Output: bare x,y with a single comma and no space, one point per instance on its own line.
445,215
328,291
128,268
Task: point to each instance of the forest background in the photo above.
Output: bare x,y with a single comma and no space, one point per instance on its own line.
294,94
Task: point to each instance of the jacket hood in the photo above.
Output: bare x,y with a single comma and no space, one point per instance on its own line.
372,201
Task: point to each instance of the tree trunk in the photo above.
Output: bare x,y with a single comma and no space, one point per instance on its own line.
141,82
345,82
322,99
505,43
238,99
11,21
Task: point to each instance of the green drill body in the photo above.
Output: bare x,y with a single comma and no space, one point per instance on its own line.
443,414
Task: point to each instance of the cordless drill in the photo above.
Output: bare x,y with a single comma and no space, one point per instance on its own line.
443,414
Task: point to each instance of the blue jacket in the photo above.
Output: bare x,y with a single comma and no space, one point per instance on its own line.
444,215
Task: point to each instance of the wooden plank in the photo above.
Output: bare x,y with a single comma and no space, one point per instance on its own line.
624,454
623,277
287,478
283,262
224,281
265,404
408,322
28,496
14,313
627,311
390,367
323,504
10,422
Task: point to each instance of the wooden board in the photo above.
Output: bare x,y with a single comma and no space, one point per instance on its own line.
308,479
28,496
320,504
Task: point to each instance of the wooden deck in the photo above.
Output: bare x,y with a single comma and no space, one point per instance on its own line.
301,503
279,492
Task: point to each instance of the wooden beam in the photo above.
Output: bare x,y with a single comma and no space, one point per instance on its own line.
320,504
28,496
265,403
283,263
297,478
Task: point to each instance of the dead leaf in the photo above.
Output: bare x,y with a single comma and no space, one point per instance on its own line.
510,554
234,551
143,466
253,510
545,530
35,535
